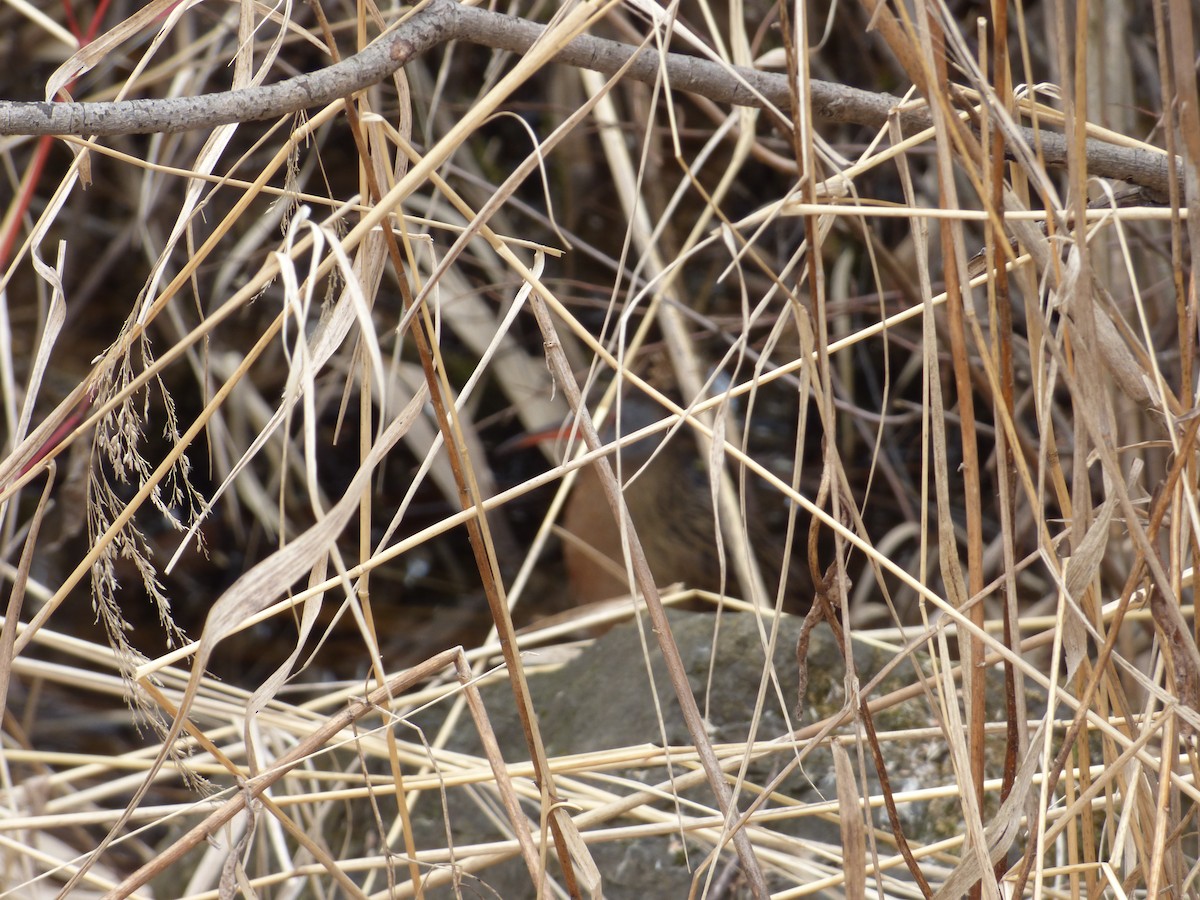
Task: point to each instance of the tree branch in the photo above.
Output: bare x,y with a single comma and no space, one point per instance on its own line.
446,20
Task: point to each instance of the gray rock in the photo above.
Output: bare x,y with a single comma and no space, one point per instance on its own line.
602,700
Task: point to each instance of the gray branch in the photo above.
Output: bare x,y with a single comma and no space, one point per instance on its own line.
446,20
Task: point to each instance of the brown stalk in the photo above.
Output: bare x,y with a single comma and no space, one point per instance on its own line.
999,304
1075,109
974,676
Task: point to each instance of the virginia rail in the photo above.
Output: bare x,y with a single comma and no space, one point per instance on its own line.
671,505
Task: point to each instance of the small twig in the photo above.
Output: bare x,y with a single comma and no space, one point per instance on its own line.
440,21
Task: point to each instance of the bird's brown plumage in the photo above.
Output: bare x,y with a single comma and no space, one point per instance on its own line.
670,503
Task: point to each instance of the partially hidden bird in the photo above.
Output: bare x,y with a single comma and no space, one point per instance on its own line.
669,494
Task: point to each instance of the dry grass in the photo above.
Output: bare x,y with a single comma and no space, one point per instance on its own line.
973,378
